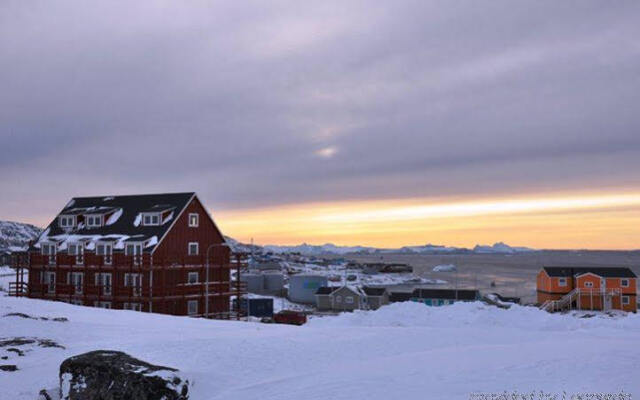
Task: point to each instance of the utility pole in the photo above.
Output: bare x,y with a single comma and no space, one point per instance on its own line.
248,298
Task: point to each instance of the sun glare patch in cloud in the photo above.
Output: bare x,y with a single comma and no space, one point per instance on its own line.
327,152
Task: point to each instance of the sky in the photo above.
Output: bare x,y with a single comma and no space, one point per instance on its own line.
352,122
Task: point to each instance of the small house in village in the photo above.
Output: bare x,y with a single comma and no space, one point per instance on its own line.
376,297
349,298
587,288
159,253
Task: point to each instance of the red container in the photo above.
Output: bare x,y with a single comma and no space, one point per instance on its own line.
290,317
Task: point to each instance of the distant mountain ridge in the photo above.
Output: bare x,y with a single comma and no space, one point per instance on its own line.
16,235
330,248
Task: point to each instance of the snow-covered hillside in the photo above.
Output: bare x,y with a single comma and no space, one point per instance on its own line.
402,351
16,235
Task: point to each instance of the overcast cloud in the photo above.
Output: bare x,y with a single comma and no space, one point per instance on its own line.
262,103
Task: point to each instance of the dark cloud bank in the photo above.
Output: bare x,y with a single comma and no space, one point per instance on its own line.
262,103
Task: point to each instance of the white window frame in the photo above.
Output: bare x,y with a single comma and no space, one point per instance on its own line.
67,221
73,246
624,282
193,303
133,280
107,255
588,284
190,274
338,299
78,287
52,249
47,280
79,251
562,282
137,251
102,304
97,220
135,246
626,300
197,248
132,306
151,217
196,222
99,282
348,299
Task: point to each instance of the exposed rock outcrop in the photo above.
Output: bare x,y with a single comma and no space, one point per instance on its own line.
111,375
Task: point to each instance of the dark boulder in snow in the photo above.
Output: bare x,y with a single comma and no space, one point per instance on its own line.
111,375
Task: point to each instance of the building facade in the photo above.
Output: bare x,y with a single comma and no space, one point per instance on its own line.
349,298
159,253
442,297
587,288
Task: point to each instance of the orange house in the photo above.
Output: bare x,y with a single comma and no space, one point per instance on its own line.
587,288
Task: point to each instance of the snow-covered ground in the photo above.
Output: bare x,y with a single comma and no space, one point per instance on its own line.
7,275
402,351
341,272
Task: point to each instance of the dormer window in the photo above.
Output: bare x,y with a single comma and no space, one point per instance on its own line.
93,221
151,219
67,221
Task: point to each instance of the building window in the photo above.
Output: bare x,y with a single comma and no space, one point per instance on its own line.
625,300
135,251
105,250
77,249
133,281
348,299
562,282
193,248
103,280
73,249
338,299
102,304
588,284
192,278
194,220
192,307
49,280
67,221
151,219
94,221
132,306
48,249
624,282
76,279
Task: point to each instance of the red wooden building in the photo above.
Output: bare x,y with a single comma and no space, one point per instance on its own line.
159,253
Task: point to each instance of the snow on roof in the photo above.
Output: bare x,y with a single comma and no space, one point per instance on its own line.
114,217
123,223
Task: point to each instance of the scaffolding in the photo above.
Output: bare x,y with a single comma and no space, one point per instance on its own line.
137,282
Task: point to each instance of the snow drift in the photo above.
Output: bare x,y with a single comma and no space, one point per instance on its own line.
404,350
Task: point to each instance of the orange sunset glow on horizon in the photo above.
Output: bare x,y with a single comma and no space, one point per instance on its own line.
560,221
